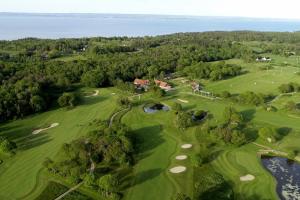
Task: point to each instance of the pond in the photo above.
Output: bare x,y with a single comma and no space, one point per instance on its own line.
199,116
287,174
154,107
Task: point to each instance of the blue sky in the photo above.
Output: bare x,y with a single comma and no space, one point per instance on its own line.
244,8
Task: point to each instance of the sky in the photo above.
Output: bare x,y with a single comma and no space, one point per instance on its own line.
287,9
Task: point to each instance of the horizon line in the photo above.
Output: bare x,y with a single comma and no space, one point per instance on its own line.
149,14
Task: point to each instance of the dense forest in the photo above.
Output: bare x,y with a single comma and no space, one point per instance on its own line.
34,73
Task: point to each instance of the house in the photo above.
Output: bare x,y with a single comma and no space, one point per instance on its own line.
141,84
263,59
163,85
195,86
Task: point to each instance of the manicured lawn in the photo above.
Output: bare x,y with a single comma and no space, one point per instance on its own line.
158,139
256,80
20,174
151,177
234,163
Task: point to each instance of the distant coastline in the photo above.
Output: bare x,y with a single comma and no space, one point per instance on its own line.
76,25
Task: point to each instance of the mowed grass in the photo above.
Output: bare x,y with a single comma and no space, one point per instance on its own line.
19,175
159,143
256,80
234,163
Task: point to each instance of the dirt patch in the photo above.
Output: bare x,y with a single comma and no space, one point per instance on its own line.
186,146
178,169
183,101
44,129
181,157
248,177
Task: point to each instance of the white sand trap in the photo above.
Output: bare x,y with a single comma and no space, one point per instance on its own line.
95,94
113,93
248,177
183,101
43,129
186,146
181,157
269,140
178,169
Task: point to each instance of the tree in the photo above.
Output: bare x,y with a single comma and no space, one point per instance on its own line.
94,78
89,180
6,146
232,117
238,138
158,92
37,103
108,183
184,120
124,101
68,99
177,107
268,133
181,196
225,94
291,106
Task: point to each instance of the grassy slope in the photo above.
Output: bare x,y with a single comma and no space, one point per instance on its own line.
256,80
233,163
153,161
19,174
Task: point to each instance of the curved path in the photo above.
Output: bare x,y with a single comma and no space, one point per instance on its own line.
114,115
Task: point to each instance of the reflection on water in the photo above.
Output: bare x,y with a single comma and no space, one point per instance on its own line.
287,174
152,108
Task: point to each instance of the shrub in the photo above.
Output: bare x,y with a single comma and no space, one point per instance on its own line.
6,146
68,100
177,107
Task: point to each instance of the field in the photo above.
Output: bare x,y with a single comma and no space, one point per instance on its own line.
159,138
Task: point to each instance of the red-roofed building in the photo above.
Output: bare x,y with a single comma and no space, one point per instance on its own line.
140,83
163,85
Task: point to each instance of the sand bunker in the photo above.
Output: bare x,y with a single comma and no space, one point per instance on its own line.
178,169
186,146
183,101
43,129
269,140
248,177
181,157
113,93
93,95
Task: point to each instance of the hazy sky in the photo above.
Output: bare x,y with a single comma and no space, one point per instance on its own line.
246,8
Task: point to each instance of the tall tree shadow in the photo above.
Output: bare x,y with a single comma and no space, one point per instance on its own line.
32,141
147,139
139,178
248,115
282,132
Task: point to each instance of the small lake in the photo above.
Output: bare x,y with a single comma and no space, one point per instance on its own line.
153,108
287,174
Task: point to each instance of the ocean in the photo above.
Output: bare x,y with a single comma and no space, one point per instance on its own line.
19,25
